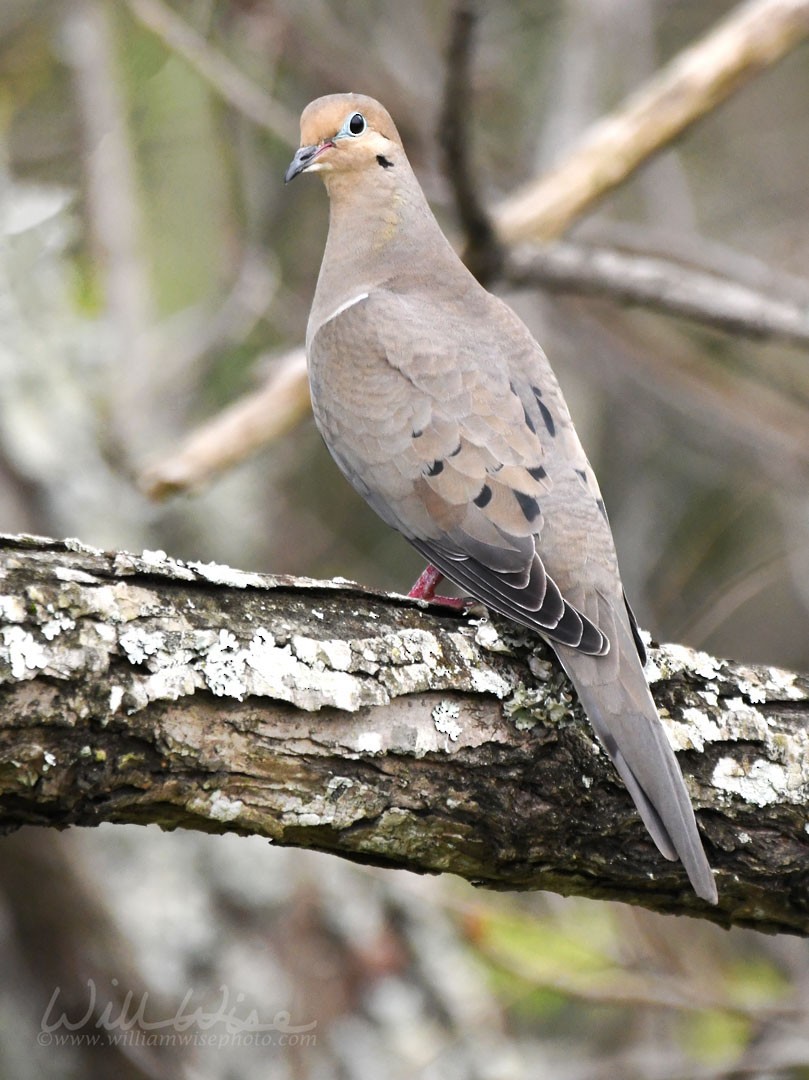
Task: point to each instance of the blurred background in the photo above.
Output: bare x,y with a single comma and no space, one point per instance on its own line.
153,269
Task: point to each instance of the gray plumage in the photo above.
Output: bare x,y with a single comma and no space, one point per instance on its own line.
443,412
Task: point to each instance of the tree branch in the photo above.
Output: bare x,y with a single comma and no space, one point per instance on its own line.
218,71
754,36
661,285
482,254
318,714
234,433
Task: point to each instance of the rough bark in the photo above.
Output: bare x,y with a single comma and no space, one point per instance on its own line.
319,714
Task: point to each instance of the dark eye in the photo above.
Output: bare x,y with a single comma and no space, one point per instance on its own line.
356,125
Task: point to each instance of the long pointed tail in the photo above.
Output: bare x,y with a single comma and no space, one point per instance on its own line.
618,702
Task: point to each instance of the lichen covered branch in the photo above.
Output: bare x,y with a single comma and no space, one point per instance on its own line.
318,714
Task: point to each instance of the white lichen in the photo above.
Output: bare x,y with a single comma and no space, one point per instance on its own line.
220,574
70,573
673,659
158,557
762,783
56,626
487,637
12,609
223,808
369,742
696,729
223,667
445,717
22,652
338,784
329,653
139,644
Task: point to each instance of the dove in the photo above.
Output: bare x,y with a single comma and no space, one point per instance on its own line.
442,411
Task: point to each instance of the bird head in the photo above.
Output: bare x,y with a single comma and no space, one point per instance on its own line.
344,133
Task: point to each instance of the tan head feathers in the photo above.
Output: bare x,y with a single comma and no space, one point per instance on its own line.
344,132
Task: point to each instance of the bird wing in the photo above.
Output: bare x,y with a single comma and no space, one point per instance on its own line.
456,454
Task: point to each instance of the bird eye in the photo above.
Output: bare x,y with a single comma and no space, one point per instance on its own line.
356,125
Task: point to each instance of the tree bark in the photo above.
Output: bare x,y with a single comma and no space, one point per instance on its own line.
320,714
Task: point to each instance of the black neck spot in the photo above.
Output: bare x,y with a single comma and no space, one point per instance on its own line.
383,161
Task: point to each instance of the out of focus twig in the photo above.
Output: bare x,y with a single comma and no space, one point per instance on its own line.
694,251
753,37
229,81
113,211
235,433
482,254
661,285
730,406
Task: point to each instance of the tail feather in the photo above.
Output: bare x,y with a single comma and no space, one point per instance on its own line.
618,702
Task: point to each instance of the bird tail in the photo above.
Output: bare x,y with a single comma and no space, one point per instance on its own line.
616,697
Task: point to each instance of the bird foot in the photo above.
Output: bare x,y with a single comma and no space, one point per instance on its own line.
425,587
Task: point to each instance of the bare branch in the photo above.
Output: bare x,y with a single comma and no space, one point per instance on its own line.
753,37
482,254
220,73
113,210
695,251
235,433
139,689
661,285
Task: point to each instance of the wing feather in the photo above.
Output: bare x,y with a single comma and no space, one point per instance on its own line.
451,456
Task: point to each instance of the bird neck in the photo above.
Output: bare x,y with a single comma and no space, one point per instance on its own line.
380,225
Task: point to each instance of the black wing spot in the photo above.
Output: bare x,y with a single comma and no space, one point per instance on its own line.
483,497
582,475
633,622
602,507
528,505
538,472
436,468
383,161
456,451
536,392
546,416
417,434
529,423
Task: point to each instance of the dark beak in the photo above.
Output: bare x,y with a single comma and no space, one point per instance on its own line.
302,160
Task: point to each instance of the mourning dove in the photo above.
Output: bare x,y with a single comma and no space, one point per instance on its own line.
442,411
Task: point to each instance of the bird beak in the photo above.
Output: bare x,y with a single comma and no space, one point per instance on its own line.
304,157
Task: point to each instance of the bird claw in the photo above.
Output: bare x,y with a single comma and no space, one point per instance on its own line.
424,589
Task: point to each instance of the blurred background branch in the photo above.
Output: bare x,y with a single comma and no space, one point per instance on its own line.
482,253
228,80
754,36
663,285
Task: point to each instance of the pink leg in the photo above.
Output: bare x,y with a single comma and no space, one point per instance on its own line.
425,587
